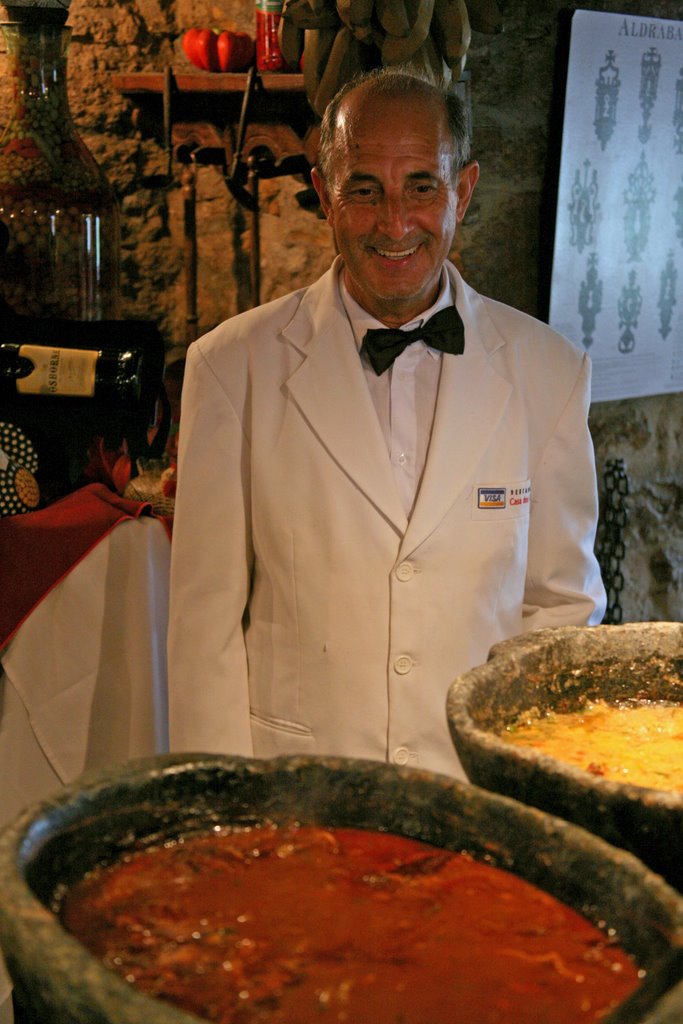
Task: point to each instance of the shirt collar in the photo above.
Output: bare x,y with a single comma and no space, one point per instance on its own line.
362,321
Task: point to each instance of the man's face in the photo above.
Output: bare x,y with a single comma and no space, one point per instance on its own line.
392,201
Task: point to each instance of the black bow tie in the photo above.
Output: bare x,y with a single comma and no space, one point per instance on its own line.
444,331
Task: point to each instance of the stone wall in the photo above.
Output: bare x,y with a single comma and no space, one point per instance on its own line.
503,247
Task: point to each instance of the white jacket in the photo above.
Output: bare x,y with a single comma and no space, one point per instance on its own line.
358,620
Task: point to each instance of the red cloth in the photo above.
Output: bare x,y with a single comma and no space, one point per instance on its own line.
37,549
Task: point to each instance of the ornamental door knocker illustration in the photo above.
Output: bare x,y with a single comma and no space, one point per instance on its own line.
584,207
590,299
678,114
629,306
650,67
607,86
639,197
667,295
678,214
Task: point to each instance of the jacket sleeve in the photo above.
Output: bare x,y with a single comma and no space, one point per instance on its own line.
211,564
563,583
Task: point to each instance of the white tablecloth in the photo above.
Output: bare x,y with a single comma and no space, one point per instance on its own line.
83,681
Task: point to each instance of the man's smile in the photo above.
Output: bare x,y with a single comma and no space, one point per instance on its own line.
390,254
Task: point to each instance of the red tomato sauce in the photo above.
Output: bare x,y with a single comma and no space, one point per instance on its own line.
291,925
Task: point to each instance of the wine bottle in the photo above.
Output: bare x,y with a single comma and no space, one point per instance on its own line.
112,377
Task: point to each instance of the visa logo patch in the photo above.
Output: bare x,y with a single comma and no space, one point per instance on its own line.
491,497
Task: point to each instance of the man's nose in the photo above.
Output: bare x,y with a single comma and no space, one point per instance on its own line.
393,215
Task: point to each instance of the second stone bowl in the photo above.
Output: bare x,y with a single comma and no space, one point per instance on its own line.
555,669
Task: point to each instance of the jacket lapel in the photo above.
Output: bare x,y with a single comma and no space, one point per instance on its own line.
471,400
330,391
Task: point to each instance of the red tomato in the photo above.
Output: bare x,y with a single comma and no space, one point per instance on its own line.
189,44
235,51
227,51
207,49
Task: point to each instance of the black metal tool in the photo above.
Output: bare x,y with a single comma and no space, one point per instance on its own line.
237,176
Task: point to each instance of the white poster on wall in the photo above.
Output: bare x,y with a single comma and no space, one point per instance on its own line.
617,275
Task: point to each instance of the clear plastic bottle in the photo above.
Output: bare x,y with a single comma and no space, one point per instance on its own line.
59,219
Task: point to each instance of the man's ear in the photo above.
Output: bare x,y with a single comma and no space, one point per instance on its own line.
321,188
468,177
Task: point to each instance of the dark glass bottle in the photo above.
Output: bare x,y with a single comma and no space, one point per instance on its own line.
59,219
113,377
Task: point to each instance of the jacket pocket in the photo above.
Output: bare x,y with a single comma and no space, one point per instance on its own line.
282,725
276,737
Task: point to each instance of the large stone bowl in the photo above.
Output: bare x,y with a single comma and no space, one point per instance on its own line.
561,668
54,843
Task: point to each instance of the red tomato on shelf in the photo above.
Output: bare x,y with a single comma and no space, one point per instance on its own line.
189,43
235,51
206,49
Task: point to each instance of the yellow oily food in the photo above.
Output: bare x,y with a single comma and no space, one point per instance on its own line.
641,743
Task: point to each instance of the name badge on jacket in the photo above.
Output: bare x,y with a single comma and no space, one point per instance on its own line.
501,500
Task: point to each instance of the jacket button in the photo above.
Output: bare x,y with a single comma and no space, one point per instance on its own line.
401,755
403,664
405,572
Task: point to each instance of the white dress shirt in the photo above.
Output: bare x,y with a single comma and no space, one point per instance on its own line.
405,394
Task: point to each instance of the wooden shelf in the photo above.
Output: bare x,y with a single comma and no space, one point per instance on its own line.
137,83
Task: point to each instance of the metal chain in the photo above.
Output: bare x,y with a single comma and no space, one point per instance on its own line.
610,546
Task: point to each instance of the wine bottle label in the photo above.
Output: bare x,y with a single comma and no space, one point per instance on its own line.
67,372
